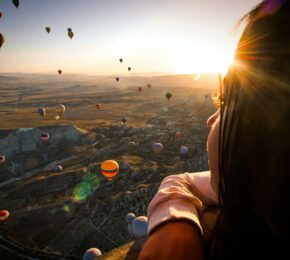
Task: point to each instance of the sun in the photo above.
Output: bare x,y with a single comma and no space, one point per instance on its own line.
205,58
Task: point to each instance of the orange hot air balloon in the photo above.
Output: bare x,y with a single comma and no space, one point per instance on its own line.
98,106
110,169
4,214
2,159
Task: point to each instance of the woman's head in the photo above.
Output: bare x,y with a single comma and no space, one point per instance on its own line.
254,125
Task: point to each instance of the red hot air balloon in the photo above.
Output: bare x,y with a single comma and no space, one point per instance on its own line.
177,135
98,106
4,214
140,89
2,159
45,137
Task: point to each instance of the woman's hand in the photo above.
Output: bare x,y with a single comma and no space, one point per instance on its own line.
174,240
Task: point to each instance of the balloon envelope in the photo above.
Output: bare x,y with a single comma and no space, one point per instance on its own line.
70,34
140,226
109,169
117,79
139,89
98,106
91,253
44,137
60,109
124,119
1,14
41,111
157,148
47,29
2,40
16,3
4,214
168,95
130,217
121,60
184,150
59,72
149,86
2,159
129,68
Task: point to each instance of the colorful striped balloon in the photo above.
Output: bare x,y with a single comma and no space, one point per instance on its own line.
110,169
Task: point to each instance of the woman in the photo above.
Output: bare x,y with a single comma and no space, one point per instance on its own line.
248,150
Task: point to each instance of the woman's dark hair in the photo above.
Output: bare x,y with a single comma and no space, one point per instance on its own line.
254,186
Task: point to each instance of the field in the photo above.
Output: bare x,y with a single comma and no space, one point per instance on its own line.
49,208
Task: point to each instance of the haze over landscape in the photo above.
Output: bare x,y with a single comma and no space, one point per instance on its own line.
68,103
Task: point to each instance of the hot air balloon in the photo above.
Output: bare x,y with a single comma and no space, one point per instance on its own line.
149,86
177,135
4,214
168,95
59,72
117,79
47,29
69,29
16,3
157,148
130,217
45,137
70,34
98,106
91,253
129,68
60,110
140,226
2,159
57,168
2,40
183,150
121,60
1,14
124,119
110,169
41,111
139,89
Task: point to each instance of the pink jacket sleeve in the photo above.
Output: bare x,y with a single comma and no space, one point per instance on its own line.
181,196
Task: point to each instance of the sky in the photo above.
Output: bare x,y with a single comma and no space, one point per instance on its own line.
152,36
